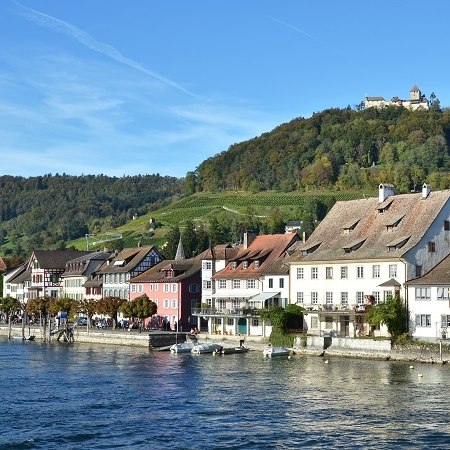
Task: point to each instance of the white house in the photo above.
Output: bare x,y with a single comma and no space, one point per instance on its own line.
429,303
239,281
363,252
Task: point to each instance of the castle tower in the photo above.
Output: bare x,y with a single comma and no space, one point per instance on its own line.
414,93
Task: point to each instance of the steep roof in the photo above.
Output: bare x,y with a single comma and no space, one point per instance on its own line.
90,262
222,252
128,259
54,259
269,250
383,230
181,269
438,275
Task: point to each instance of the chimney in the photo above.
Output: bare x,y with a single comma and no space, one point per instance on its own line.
248,238
426,189
384,191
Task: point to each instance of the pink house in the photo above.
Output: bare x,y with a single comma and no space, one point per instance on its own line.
175,287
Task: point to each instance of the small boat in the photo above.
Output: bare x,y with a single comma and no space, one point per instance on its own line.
270,351
182,347
207,347
230,350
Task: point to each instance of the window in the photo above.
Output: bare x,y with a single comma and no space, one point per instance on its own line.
360,298
314,298
234,265
314,322
387,295
328,273
314,273
236,284
344,272
445,321
166,287
270,283
431,246
255,322
281,283
251,284
256,264
174,287
300,273
207,284
207,265
376,271
443,293
329,298
300,297
344,298
359,272
245,265
194,287
376,296
446,225
174,303
418,271
133,288
392,270
166,303
222,284
423,293
423,320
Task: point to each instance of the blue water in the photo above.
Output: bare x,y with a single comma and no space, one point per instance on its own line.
59,396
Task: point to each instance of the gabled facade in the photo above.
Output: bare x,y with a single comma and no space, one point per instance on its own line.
240,281
16,283
129,263
363,252
429,303
175,287
46,267
78,271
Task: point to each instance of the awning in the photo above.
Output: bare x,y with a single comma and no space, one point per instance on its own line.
263,296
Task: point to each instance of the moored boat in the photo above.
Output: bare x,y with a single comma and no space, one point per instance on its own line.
270,351
207,347
182,347
230,350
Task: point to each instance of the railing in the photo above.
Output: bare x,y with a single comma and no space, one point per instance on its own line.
241,312
336,308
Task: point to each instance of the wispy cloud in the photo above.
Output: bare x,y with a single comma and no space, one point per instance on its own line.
309,36
85,39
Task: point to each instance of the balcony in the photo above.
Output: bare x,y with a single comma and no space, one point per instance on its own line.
214,312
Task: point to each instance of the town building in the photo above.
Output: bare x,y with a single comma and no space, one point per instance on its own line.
429,303
16,283
46,268
175,287
240,281
79,271
416,101
363,252
127,264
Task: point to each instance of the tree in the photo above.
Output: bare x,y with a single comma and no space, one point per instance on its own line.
10,306
391,313
40,306
88,307
109,306
139,308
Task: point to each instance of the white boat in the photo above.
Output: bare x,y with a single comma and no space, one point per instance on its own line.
206,347
182,347
270,351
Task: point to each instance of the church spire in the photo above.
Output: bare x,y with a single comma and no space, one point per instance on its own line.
180,251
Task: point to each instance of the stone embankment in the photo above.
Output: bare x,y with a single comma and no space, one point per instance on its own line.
375,349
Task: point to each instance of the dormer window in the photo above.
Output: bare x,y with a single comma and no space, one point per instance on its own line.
353,246
234,265
245,265
307,249
393,223
385,206
397,243
119,263
350,226
256,264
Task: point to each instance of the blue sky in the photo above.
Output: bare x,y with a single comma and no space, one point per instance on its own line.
145,86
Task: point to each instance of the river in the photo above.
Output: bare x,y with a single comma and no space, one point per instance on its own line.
60,396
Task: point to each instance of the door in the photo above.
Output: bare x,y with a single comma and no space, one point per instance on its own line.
242,326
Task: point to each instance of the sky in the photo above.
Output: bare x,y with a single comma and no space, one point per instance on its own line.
133,87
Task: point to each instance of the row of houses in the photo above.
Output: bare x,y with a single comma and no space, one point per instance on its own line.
363,252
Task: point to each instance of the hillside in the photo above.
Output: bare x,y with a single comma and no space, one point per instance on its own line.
340,148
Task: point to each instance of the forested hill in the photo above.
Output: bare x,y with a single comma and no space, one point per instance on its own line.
39,212
340,148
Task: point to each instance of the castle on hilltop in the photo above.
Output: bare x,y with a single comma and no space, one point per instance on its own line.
416,101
